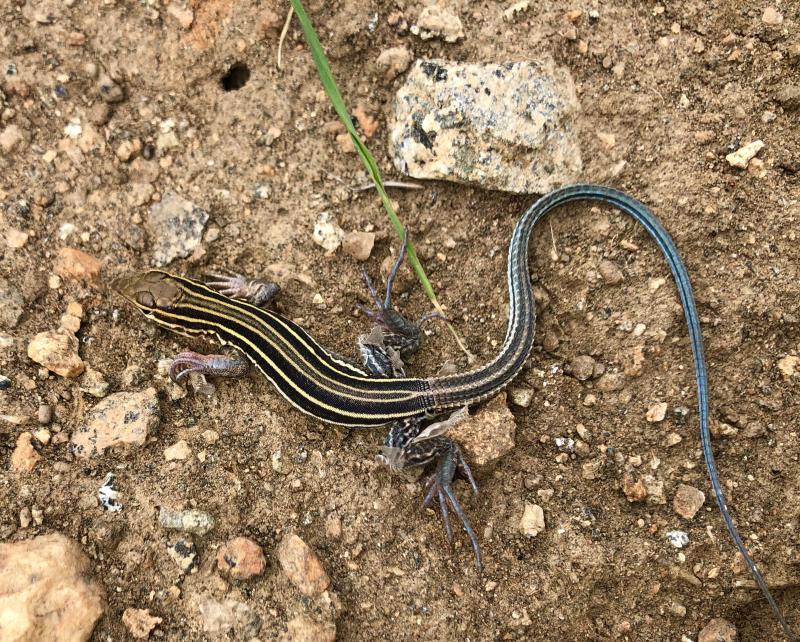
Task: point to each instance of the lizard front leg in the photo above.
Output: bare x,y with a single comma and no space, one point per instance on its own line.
399,333
236,286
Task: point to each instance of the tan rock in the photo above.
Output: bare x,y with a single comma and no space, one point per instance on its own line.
71,323
241,558
687,501
24,459
610,272
15,238
178,451
12,138
304,629
57,351
532,521
366,121
742,156
46,594
656,412
438,22
74,264
358,244
718,630
394,61
488,434
121,419
789,365
302,566
771,16
634,488
221,617
139,622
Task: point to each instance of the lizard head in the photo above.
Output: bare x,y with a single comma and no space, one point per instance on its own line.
149,291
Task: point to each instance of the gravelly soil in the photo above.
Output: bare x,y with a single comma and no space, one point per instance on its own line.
678,86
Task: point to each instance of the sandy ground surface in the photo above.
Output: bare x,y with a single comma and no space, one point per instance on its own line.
668,89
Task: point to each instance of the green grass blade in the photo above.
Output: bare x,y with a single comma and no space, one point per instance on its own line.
332,90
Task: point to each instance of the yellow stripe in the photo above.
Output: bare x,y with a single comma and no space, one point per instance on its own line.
316,402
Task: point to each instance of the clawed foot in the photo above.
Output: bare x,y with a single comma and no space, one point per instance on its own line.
236,286
440,486
213,365
399,333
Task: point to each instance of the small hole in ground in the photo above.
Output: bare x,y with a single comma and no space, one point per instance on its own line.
236,77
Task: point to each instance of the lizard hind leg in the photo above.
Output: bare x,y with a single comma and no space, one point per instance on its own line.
408,445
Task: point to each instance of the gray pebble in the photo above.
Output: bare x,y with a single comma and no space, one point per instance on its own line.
192,521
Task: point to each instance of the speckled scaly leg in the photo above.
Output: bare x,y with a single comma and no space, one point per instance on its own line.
409,445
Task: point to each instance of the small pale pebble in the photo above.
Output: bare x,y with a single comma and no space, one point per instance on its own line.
673,439
54,282
366,122
589,400
610,272
25,517
94,383
42,436
75,309
345,143
178,451
45,414
75,264
139,622
437,22
183,15
302,566
71,323
532,521
718,630
58,352
771,16
192,521
788,365
582,367
303,629
521,397
488,434
333,526
12,138
327,233
656,412
394,61
687,501
608,140
210,436
742,156
241,558
358,244
24,458
16,239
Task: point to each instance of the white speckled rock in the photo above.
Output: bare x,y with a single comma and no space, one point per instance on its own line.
507,126
176,227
